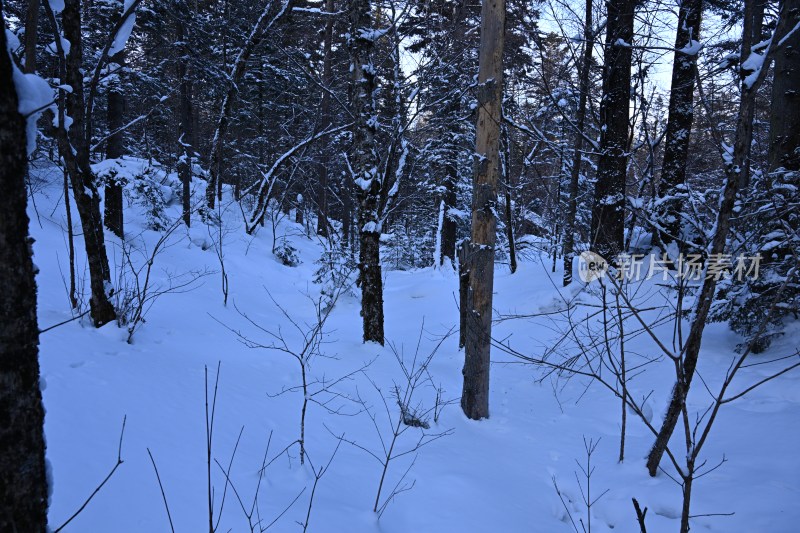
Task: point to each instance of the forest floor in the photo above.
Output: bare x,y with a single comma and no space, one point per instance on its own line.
496,475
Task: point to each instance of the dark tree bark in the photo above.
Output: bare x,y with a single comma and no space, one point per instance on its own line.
325,111
463,290
784,133
31,34
608,209
577,154
23,480
74,151
679,122
475,394
508,211
754,27
365,164
734,169
512,249
185,149
115,148
449,221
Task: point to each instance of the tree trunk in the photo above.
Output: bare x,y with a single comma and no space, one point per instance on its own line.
733,171
512,250
23,480
753,25
475,395
185,149
784,133
449,220
463,290
671,192
365,164
74,150
577,155
115,148
325,111
608,209
31,31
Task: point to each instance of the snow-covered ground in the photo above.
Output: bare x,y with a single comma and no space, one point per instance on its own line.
490,476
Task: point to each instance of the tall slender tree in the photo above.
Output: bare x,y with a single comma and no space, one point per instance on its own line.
577,154
115,146
608,208
679,122
366,174
784,132
475,395
74,148
31,34
325,112
23,479
185,129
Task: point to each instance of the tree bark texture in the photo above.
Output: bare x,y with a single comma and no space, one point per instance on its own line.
31,34
671,192
23,480
608,209
449,222
365,165
475,394
325,111
185,149
115,148
74,150
784,134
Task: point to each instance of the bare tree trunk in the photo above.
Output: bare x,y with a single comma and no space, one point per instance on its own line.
74,150
753,25
733,170
475,395
347,213
608,209
23,480
115,148
463,290
31,34
512,248
325,110
73,292
577,155
784,133
679,123
365,165
449,221
185,148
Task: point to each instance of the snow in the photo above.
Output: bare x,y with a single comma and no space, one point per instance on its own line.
691,49
34,95
124,33
492,475
753,64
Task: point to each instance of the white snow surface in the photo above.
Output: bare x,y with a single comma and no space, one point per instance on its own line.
489,476
124,33
33,93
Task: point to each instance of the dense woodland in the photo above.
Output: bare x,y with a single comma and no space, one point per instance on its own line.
451,134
